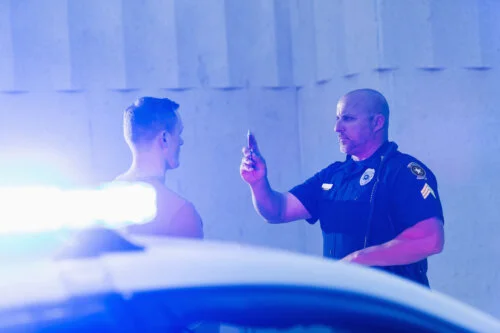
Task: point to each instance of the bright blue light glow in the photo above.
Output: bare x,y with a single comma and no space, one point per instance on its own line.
37,209
37,168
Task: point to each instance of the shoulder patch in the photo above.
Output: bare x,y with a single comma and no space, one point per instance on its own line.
417,170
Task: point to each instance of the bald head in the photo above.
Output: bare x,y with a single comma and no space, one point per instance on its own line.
367,100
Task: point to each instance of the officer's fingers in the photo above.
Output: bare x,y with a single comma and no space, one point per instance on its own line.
248,162
246,167
252,143
257,159
246,151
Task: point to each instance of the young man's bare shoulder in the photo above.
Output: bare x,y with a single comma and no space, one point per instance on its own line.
166,198
175,216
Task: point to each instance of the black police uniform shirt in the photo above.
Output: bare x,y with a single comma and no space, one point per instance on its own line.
370,202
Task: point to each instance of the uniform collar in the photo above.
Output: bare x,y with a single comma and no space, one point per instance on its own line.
373,161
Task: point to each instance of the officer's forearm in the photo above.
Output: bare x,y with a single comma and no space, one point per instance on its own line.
414,244
267,202
394,252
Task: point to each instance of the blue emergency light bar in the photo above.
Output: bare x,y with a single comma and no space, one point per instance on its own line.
44,209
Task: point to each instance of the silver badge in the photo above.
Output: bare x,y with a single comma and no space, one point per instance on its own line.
367,177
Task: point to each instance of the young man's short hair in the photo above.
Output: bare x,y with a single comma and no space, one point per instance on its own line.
147,117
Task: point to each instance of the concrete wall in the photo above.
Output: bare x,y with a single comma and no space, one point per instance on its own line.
68,68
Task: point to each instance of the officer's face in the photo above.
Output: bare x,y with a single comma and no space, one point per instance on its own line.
355,129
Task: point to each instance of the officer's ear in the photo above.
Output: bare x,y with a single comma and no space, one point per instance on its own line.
378,122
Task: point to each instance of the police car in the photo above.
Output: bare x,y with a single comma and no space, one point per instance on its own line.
105,282
61,274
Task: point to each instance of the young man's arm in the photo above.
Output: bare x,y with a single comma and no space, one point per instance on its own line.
186,223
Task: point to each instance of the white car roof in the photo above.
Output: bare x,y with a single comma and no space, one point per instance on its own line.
175,263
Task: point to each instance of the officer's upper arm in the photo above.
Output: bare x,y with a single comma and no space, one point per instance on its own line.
293,209
414,196
302,201
429,232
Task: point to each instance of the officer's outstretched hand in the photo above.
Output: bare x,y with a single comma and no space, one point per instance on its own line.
253,166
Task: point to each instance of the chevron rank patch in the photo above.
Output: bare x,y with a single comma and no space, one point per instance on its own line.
426,191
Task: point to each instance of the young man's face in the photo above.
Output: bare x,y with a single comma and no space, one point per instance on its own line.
174,143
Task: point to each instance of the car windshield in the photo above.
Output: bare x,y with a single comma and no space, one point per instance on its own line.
224,309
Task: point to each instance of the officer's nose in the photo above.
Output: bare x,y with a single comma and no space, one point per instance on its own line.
338,127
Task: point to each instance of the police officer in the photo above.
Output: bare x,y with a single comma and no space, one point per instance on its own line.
379,207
